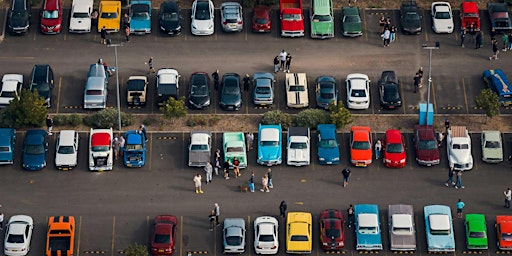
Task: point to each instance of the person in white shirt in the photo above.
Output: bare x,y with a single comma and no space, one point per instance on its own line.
282,58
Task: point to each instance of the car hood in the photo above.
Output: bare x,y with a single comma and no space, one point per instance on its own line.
411,25
170,24
140,24
352,27
50,22
33,160
329,153
80,23
322,27
428,154
229,99
460,156
203,24
200,100
298,154
65,159
19,20
403,242
492,153
269,153
394,156
361,155
292,25
443,25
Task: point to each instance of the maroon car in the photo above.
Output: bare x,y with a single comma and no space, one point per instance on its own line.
261,19
426,145
164,235
331,230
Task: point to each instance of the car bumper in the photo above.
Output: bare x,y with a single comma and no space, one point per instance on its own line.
269,162
292,33
352,34
357,163
65,167
328,161
358,105
171,32
394,164
427,162
18,31
202,32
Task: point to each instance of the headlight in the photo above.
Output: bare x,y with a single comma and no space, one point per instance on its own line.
211,26
387,160
194,26
238,104
178,27
336,159
402,161
57,26
162,28
325,244
321,159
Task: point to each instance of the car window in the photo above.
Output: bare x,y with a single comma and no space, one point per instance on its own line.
162,239
321,18
140,12
427,144
266,238
94,92
368,230
506,236
442,15
411,16
235,149
233,240
7,94
363,145
80,15
5,149
298,145
34,149
358,93
202,11
100,148
269,143
492,144
263,90
199,147
170,16
66,150
261,21
352,19
109,15
51,14
440,232
299,238
15,239
395,148
328,144
231,89
199,90
401,231
477,234
292,17
297,88
133,146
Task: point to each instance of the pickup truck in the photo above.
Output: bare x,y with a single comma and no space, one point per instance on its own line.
292,18
298,146
134,150
200,148
101,154
7,140
469,17
233,144
60,239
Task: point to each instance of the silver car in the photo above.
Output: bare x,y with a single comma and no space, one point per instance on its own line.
402,232
234,235
263,88
96,88
231,17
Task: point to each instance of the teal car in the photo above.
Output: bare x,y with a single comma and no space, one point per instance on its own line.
233,144
322,19
476,232
352,25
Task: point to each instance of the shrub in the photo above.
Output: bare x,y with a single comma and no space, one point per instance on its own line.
75,120
340,116
149,121
277,117
173,108
60,120
107,118
27,110
136,249
311,118
196,120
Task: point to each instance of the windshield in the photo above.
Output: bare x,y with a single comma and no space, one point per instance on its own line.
440,232
51,14
109,15
321,18
328,144
427,144
100,148
5,149
66,150
94,92
235,149
332,233
133,146
170,16
298,238
292,17
368,230
361,145
15,239
162,239
327,95
297,88
298,145
262,90
231,89
199,147
34,149
460,146
80,15
7,94
411,16
261,21
506,236
202,12
352,19
442,15
233,240
492,144
477,234
401,231
199,90
358,93
395,148
266,238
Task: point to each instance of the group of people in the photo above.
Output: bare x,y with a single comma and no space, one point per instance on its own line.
119,141
388,33
126,28
473,35
282,61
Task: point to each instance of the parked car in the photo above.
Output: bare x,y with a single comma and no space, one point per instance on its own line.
11,88
261,19
458,145
328,147
137,90
269,144
326,91
96,87
358,91
19,17
202,17
368,230
231,92
80,18
469,17
101,154
402,229
500,19
476,232
109,16
51,17
41,80
167,85
231,16
497,80
332,236
426,145
169,18
233,144
7,142
66,150
233,235
35,146
263,88
361,146
439,229
442,18
140,17
504,232
60,236
266,238
492,147
410,17
296,90
389,90
200,148
299,232
18,235
393,146
352,24
298,146
322,19
163,237
198,91
134,150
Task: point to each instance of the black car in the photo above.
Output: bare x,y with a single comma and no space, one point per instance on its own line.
231,92
169,18
389,91
19,17
199,90
410,18
41,80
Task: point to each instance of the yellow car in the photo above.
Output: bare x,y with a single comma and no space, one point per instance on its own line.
299,232
109,16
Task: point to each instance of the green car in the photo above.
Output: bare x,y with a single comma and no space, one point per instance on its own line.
352,25
476,232
322,19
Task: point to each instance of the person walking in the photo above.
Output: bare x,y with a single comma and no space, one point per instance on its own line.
479,40
150,65
197,183
508,196
127,20
249,139
509,41
226,167
392,34
346,175
143,130
378,148
450,181
208,169
458,182
276,63
505,41
350,216
215,77
460,206
217,162
116,146
420,72
385,37
251,182
494,49
264,184
288,63
269,175
446,125
103,33
236,167
440,138
49,124
246,82
282,209
417,82
462,37
127,33
211,217
216,211
282,59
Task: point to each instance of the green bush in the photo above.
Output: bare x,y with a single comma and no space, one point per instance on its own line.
107,118
196,120
60,120
149,121
311,118
27,110
173,108
75,120
277,117
340,116
136,249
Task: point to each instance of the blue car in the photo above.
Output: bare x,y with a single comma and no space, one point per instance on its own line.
439,228
328,151
134,149
7,140
498,82
140,16
263,89
368,232
269,144
34,150
326,91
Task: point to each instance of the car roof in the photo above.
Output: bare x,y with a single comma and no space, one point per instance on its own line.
199,138
296,78
269,134
51,5
322,7
401,220
350,11
368,220
95,83
100,139
393,136
67,137
327,131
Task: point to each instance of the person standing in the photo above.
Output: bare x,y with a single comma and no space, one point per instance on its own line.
269,175
282,59
116,146
215,77
282,209
236,167
226,166
494,49
378,148
264,184
127,33
458,182
350,216
208,169
217,162
385,36
346,175
276,63
211,217
197,183
150,65
127,20
440,138
103,33
460,206
508,196
505,41
251,182
216,210
142,129
478,41
446,125
462,37
450,181
509,41
1,221
417,81
420,72
49,124
392,34
288,62
122,141
249,139
246,82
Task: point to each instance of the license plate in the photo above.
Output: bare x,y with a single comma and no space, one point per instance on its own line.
261,30
360,164
391,106
129,165
65,169
50,30
171,33
329,162
160,250
232,26
263,104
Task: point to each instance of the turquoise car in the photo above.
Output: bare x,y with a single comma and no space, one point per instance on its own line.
134,151
439,228
270,141
476,232
328,150
140,14
322,19
368,231
233,144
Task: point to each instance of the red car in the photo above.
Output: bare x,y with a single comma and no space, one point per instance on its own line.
261,19
426,145
331,230
51,17
504,232
164,235
469,17
393,146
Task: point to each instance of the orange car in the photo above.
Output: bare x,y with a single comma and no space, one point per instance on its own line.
504,231
361,146
60,239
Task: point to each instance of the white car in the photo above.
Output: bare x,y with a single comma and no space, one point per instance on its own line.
18,235
458,146
266,240
358,91
202,18
298,146
66,150
101,153
492,148
232,19
11,87
200,148
80,20
296,90
442,18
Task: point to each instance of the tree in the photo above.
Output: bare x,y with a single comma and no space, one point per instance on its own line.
174,108
489,102
136,249
340,116
27,109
